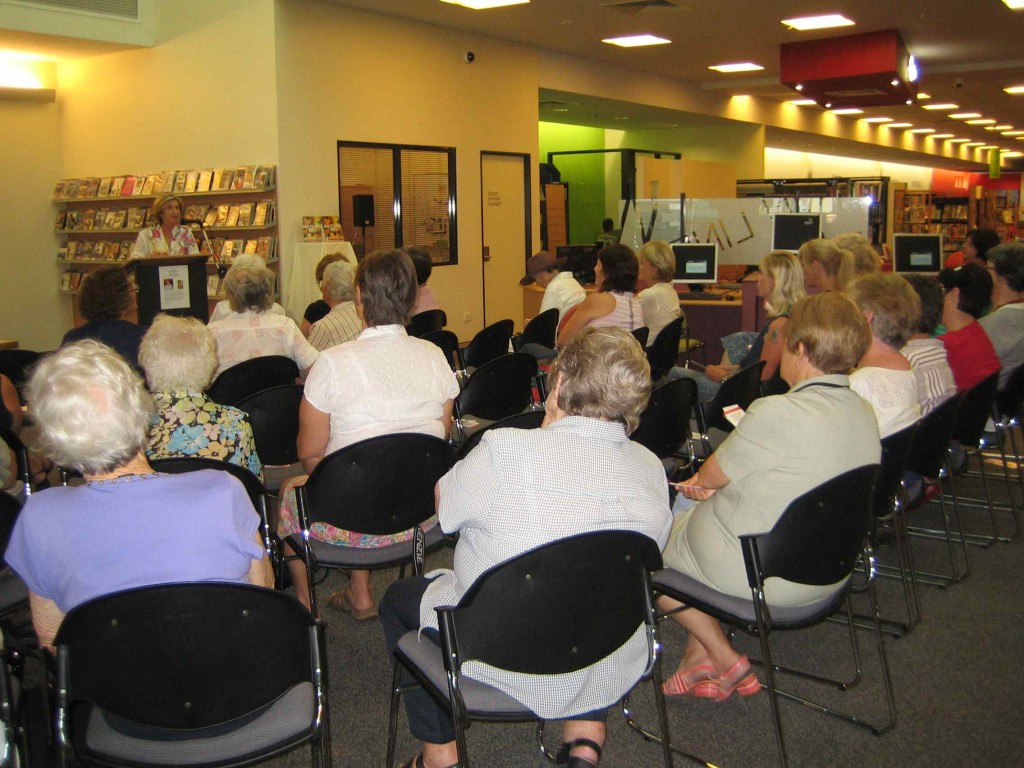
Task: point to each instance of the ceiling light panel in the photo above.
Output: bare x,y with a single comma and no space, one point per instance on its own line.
742,66
1014,89
636,41
982,121
848,111
828,21
482,5
941,106
877,120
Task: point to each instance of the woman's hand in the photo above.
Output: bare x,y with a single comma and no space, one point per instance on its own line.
695,492
718,373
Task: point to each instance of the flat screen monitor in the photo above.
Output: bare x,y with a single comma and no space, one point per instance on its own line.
580,260
916,253
791,230
696,262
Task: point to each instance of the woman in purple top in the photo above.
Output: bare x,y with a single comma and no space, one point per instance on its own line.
128,526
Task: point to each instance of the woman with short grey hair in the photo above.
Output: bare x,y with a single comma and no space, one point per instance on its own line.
128,526
252,330
179,356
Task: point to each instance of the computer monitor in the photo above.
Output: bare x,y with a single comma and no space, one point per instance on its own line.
918,253
580,260
791,230
696,262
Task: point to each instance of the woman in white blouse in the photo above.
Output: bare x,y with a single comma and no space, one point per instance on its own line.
660,301
380,383
166,237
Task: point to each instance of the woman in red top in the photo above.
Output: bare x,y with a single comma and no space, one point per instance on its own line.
968,290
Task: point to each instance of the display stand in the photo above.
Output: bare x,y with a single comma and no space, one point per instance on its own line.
301,286
175,285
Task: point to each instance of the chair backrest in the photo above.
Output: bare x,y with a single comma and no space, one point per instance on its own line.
665,422
378,486
424,322
490,343
185,655
540,330
895,454
10,507
557,608
15,365
502,387
975,410
931,441
251,376
819,536
742,388
180,465
274,417
20,455
525,420
1010,399
664,350
641,334
449,344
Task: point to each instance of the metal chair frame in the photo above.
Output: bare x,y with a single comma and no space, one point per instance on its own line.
741,389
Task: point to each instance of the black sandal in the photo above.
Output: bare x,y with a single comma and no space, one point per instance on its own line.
417,762
562,757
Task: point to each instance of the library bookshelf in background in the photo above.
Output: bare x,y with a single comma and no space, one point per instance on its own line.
99,219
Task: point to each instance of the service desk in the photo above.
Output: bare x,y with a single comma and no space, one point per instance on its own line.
709,321
302,288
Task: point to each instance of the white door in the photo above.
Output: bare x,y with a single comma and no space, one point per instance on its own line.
503,193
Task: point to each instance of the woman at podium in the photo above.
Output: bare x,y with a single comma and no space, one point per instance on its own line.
166,236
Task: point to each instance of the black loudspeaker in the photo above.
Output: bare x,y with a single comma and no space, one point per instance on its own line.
362,210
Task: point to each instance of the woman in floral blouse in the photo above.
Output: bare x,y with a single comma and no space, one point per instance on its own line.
166,236
179,356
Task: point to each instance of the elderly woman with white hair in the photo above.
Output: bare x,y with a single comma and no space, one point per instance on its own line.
223,307
252,330
601,383
659,300
179,357
342,323
128,526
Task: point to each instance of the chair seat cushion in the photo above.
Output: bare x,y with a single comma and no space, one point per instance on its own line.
334,556
287,720
740,609
482,700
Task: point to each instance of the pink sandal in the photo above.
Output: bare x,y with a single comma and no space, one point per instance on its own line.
737,678
683,682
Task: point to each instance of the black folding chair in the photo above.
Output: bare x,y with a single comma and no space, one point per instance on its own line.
1007,416
252,376
540,330
13,592
819,539
741,388
665,423
449,344
274,417
525,420
500,388
426,322
380,486
664,350
197,674
552,610
641,334
21,457
492,342
16,365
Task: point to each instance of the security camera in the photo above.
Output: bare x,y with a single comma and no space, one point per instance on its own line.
958,83
469,57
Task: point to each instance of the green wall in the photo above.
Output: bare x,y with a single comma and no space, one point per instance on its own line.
585,175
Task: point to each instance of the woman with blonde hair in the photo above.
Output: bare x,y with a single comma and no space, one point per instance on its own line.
780,285
659,301
166,236
865,258
826,266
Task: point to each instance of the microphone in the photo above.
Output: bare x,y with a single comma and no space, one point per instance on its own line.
197,222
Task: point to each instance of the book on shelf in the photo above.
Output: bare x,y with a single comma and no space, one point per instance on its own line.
212,285
262,178
265,248
228,250
127,186
104,190
124,251
312,230
58,189
115,186
203,182
149,187
332,228
238,182
211,216
222,215
65,281
62,252
217,179
72,248
92,186
249,177
140,182
117,219
191,179
180,177
111,250
88,219
136,218
233,215
196,212
259,216
228,175
251,246
245,214
85,249
62,218
76,280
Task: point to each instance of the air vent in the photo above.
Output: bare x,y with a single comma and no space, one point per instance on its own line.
858,93
633,7
125,10
556,103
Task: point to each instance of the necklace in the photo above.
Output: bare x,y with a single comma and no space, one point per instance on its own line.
125,478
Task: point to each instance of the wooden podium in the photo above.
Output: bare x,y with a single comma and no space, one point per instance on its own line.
175,285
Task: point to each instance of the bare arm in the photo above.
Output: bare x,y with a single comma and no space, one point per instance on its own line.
771,351
260,573
13,403
304,326
708,479
46,619
314,432
591,308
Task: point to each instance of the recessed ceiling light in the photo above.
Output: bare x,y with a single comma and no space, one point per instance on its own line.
848,111
922,96
620,118
922,130
941,106
1013,154
982,121
941,136
988,146
1014,89
480,5
802,102
1000,128
877,120
742,66
958,141
964,115
560,109
827,21
898,125
1013,133
1014,5
636,41
975,144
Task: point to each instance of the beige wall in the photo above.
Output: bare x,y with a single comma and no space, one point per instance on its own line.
355,76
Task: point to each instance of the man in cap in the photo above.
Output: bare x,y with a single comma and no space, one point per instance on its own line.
561,290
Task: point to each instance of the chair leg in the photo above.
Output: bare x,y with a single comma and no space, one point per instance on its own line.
396,700
460,743
769,674
659,703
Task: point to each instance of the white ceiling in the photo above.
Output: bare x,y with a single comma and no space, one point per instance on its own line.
968,51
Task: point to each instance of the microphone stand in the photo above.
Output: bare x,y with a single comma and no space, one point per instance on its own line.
221,267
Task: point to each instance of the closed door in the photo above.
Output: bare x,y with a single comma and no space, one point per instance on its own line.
503,195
